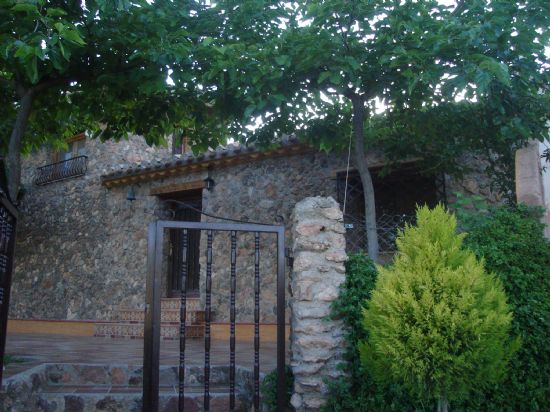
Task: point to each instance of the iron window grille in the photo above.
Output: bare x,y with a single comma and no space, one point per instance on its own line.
396,195
66,169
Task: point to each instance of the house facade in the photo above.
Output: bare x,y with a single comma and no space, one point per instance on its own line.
82,236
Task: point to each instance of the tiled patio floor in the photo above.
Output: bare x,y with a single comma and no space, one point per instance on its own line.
38,349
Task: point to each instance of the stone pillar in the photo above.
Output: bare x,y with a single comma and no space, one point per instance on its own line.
530,180
316,343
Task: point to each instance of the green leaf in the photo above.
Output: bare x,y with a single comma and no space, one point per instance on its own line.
31,69
65,53
499,70
73,36
282,59
323,76
56,60
26,7
355,65
24,51
55,12
412,85
336,78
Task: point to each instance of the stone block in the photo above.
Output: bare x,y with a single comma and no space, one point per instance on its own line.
326,293
309,229
332,213
296,401
322,341
304,260
313,245
313,326
302,368
303,290
337,256
318,310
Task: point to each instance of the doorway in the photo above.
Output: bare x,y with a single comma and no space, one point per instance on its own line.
190,212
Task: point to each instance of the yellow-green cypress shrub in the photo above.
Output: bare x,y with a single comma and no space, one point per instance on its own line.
438,323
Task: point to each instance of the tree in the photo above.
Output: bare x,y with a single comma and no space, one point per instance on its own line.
437,321
389,74
110,67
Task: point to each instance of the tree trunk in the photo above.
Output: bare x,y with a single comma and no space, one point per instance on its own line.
13,162
442,405
366,178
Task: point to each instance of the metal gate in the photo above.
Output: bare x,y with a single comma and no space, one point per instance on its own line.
8,220
153,310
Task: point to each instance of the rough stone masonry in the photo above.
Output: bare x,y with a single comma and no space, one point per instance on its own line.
316,343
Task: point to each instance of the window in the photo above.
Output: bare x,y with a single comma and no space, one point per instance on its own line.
180,145
68,163
396,197
76,147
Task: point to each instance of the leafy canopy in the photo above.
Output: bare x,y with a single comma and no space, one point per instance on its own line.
410,61
107,66
438,323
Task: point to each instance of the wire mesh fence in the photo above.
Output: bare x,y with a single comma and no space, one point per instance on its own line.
387,225
397,196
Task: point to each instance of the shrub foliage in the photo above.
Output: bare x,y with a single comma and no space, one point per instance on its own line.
438,323
269,389
357,391
511,241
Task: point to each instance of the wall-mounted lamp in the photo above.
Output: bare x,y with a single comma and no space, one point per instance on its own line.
209,183
131,195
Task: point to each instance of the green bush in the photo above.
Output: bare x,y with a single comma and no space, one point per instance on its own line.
511,241
438,323
357,391
269,389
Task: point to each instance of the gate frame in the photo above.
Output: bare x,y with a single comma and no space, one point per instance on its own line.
6,283
151,345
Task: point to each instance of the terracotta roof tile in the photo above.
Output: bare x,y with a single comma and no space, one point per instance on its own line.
125,174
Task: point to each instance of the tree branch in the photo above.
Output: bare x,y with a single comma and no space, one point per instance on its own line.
358,124
13,163
460,6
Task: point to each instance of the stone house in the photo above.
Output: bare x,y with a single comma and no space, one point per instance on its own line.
82,236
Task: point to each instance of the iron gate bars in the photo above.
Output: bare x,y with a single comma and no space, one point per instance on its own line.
153,309
8,220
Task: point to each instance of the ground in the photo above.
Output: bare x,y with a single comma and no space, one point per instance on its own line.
77,374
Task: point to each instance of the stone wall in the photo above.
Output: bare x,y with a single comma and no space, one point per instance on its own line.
264,191
316,343
82,248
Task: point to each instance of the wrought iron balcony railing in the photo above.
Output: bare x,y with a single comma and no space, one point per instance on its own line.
65,169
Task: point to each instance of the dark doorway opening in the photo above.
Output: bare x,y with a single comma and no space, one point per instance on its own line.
190,212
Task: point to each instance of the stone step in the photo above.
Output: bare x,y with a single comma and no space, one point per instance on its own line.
193,317
80,387
124,402
136,330
120,389
59,375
